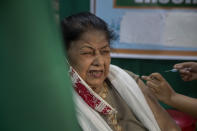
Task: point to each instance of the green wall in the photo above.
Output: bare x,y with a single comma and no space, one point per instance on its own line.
138,66
68,7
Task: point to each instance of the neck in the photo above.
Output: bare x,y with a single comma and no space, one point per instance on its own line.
98,89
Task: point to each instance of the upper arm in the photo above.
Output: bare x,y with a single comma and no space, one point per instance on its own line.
163,119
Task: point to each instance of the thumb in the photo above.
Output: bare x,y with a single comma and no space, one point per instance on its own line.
183,65
145,78
178,66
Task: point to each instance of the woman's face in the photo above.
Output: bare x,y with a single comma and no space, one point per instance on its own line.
90,57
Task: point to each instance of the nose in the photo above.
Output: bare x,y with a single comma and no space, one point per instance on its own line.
98,60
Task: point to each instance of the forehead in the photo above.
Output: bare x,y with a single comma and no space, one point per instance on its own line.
93,38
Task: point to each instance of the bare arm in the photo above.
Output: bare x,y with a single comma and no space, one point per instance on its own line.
164,92
165,122
184,103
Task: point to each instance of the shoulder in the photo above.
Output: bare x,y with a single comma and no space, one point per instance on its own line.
133,75
115,70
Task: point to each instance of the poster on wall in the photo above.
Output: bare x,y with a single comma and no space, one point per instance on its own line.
151,29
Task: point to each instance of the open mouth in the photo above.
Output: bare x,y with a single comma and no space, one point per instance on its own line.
96,73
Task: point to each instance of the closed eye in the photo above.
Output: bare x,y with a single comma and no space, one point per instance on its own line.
105,52
86,53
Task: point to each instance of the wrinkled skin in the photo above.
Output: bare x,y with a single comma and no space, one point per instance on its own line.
90,57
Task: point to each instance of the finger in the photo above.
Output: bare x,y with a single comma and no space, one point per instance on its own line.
185,77
155,80
183,65
150,78
152,85
184,71
178,66
157,76
147,78
153,90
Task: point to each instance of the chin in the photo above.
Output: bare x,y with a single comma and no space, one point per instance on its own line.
95,84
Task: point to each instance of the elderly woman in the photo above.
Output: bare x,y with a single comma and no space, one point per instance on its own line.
107,98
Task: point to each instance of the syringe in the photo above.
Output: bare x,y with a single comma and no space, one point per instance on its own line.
172,70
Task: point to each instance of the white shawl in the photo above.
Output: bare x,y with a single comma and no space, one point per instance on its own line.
126,86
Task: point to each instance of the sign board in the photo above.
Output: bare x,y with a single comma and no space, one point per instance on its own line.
148,30
155,3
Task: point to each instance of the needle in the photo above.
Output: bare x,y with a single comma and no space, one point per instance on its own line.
172,70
